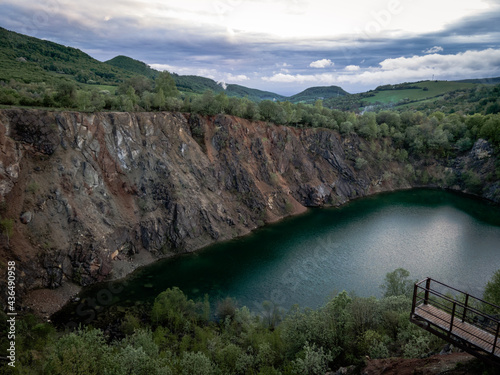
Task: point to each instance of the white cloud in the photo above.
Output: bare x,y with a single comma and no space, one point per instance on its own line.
236,78
469,64
434,49
222,78
324,63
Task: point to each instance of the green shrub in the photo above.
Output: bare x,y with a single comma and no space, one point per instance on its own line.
7,227
196,364
313,361
82,352
492,292
472,182
173,309
396,283
360,163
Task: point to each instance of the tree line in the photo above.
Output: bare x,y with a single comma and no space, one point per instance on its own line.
177,335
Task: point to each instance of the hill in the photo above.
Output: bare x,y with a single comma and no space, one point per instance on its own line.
252,94
486,81
314,93
27,59
32,71
420,95
413,92
133,66
195,84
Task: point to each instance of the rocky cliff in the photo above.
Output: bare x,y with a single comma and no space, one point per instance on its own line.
88,192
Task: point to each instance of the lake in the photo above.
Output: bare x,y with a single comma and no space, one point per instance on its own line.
308,258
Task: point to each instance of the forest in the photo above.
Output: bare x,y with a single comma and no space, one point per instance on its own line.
176,335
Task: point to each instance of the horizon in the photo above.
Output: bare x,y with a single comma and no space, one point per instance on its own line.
284,47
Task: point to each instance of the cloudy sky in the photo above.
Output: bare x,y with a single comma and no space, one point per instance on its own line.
282,46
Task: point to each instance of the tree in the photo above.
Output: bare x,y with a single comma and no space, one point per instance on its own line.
66,94
491,129
314,362
132,96
397,283
82,352
173,309
196,364
140,84
273,112
165,82
159,100
492,291
368,126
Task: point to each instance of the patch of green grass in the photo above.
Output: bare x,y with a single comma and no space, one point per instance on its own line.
425,91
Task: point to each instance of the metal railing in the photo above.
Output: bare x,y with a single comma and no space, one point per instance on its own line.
481,318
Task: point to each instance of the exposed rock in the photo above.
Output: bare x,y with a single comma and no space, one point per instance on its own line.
92,186
452,364
26,217
481,149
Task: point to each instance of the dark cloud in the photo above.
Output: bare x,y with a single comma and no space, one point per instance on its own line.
220,51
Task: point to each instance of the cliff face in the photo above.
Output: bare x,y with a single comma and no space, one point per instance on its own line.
88,191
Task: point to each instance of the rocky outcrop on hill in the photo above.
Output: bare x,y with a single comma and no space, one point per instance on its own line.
86,192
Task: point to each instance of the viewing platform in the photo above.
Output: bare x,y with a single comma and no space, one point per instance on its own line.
465,321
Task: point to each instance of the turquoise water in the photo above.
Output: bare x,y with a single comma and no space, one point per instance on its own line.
306,259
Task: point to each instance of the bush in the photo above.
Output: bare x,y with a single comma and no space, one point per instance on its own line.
492,292
226,309
83,352
472,182
7,227
196,364
173,309
313,361
397,283
360,163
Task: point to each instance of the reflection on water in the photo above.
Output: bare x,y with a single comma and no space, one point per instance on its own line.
304,260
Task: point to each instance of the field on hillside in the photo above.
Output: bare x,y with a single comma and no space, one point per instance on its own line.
425,90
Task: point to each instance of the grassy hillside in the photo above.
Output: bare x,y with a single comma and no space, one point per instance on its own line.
415,91
421,95
133,66
252,94
312,94
36,72
27,59
489,81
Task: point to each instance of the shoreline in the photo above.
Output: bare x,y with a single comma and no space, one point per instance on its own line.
126,267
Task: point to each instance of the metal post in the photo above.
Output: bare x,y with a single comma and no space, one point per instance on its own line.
452,315
496,339
465,307
427,288
414,301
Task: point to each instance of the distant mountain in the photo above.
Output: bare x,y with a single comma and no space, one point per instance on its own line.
485,81
133,66
195,84
314,93
252,94
422,93
27,59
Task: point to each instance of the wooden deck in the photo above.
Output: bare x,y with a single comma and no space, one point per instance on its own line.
465,321
463,330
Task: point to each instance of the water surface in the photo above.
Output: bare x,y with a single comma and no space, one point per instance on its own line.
306,259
